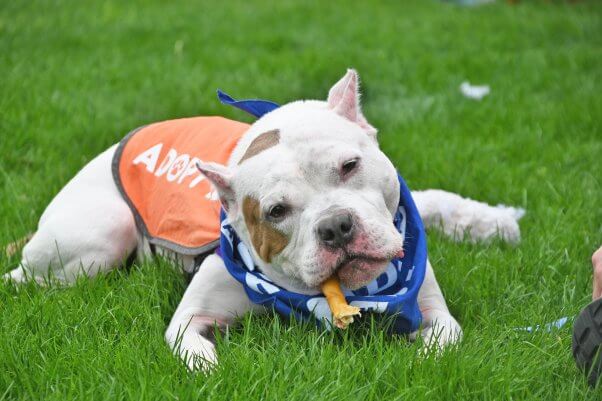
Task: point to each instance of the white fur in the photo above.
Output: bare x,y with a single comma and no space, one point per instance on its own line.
462,218
88,228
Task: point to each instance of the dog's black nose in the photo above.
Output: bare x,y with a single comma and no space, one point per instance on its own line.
336,231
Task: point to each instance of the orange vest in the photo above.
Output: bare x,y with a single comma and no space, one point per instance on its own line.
155,170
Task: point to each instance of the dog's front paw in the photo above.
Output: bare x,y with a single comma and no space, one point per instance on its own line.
197,353
439,330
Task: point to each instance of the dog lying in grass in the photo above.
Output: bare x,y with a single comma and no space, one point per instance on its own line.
305,190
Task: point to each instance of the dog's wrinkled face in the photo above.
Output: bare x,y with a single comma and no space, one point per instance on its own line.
311,194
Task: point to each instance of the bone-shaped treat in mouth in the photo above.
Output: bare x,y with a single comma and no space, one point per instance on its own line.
342,312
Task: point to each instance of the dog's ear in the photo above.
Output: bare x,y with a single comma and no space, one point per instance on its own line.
344,99
221,178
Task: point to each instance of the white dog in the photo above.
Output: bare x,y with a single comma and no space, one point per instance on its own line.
307,190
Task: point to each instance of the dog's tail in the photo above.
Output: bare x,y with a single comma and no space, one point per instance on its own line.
463,218
15,246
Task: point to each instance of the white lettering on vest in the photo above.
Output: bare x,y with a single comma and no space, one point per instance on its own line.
166,163
174,167
200,177
177,167
212,195
190,169
149,157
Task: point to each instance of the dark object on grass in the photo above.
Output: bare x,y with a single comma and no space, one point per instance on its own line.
587,341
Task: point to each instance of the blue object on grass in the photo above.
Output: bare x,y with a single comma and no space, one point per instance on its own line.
548,327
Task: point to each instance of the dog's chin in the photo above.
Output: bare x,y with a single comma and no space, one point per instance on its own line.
358,272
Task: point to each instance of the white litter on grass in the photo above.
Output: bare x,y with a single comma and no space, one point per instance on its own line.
474,91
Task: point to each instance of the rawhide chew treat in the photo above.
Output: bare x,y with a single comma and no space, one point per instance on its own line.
342,312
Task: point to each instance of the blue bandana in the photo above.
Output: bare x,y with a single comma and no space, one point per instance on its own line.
255,107
393,293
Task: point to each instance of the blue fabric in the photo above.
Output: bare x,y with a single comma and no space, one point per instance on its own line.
255,107
393,293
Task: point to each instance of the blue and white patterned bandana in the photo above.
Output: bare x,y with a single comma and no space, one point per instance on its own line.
393,293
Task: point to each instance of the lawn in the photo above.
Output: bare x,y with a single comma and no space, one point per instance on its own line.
76,76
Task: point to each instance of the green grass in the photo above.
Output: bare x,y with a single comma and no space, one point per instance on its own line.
75,77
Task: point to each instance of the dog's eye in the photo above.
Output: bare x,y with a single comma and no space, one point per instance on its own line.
277,212
349,166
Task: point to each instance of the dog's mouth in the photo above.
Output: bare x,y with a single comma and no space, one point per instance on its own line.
347,259
357,270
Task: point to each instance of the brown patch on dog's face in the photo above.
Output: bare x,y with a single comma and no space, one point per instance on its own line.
267,241
262,142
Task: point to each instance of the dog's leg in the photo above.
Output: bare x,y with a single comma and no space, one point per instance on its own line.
86,229
463,217
14,247
438,325
212,300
